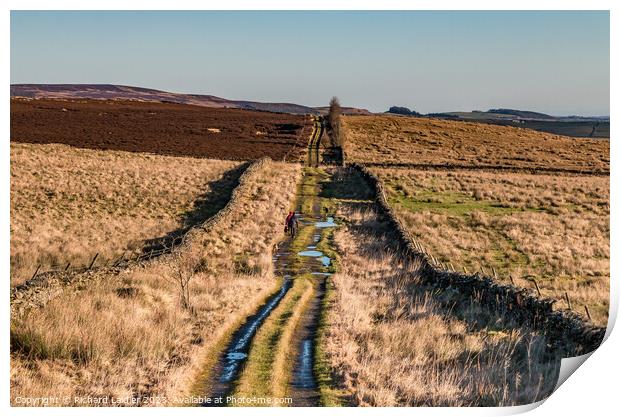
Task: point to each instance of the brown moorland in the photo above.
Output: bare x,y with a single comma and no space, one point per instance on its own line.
162,128
425,142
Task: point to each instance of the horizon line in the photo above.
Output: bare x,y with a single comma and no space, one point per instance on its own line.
304,105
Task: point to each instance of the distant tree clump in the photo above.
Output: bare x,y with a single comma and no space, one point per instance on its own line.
403,110
334,121
335,126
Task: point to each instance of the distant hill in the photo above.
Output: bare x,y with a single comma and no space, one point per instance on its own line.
523,114
346,110
123,92
514,115
577,126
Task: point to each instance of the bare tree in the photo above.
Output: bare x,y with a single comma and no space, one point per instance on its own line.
333,120
185,267
336,128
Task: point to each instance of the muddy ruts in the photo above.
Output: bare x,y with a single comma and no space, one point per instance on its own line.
37,292
315,143
565,329
304,388
235,355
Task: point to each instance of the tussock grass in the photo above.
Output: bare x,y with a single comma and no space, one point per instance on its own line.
389,342
68,204
96,342
433,141
551,226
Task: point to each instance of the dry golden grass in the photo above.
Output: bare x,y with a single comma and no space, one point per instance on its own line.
392,344
68,204
553,227
393,139
97,342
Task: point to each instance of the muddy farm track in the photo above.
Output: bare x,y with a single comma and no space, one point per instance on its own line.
315,143
286,323
162,128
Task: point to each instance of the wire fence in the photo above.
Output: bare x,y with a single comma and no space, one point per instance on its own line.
159,247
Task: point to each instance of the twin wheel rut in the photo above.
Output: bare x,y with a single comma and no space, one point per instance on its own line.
285,358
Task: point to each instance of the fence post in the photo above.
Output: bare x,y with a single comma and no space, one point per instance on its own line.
570,306
537,287
36,272
67,267
512,281
588,313
93,261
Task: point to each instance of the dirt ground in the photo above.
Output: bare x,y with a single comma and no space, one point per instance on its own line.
163,128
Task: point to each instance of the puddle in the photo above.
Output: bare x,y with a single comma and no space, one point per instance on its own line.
236,356
304,377
311,247
325,260
328,223
310,253
239,348
322,274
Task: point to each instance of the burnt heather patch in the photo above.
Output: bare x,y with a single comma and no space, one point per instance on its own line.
161,128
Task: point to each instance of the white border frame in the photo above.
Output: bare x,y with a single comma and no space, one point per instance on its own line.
591,390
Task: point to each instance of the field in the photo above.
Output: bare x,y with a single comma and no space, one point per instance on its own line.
69,204
499,200
554,227
336,312
437,143
392,343
163,128
143,342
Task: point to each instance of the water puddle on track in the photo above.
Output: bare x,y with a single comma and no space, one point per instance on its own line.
325,260
304,386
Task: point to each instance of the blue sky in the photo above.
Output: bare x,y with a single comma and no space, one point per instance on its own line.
554,62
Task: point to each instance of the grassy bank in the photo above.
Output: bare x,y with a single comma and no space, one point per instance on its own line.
127,335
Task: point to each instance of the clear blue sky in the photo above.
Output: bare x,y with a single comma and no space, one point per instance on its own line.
554,62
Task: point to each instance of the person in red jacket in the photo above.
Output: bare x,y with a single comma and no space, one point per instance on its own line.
290,225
